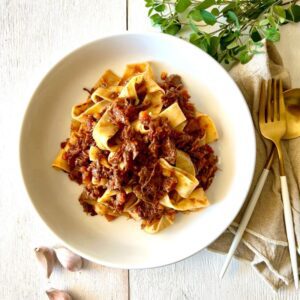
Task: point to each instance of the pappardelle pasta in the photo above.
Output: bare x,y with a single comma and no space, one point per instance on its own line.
140,149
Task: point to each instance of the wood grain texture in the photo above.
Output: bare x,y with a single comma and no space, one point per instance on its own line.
33,36
197,276
137,16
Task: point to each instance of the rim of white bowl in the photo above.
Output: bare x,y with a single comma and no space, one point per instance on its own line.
69,54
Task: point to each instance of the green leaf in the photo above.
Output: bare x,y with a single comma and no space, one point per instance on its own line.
227,39
194,37
208,17
149,3
164,23
245,56
263,6
244,23
215,11
156,19
272,21
213,45
235,51
293,13
228,36
233,17
272,34
160,7
228,7
256,37
241,48
232,45
150,11
202,44
182,5
193,26
207,38
196,15
199,41
205,4
264,22
279,11
172,29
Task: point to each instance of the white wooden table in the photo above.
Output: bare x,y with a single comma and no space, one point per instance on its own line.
34,34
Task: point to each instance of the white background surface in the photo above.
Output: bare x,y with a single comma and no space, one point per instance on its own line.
33,36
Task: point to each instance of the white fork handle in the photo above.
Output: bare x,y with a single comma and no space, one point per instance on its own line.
289,226
245,220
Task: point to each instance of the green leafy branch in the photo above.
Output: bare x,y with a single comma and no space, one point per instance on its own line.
229,30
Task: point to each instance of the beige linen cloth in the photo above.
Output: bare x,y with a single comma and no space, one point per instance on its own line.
264,243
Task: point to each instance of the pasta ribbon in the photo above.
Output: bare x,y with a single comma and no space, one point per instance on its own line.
103,131
129,90
84,198
156,104
109,193
107,79
129,208
88,108
136,69
106,196
184,162
195,201
174,115
93,153
80,108
94,156
60,163
210,128
75,125
104,210
152,86
181,126
155,100
101,182
110,93
136,74
186,182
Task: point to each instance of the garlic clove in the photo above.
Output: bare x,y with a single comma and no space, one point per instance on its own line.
46,258
54,294
68,259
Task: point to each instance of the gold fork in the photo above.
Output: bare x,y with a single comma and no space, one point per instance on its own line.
272,123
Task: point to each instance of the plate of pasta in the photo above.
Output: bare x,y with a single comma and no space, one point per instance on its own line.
134,156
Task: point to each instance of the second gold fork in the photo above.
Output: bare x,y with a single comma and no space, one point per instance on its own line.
272,123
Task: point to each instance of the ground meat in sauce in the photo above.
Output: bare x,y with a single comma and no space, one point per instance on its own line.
135,163
87,208
175,91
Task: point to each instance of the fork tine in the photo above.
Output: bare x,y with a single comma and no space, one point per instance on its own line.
281,101
276,100
262,102
269,112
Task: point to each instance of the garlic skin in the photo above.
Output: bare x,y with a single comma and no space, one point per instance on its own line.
68,259
54,294
46,258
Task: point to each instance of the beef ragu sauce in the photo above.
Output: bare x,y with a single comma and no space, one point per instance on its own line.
135,163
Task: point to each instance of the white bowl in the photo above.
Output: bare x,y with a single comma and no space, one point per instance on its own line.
122,243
